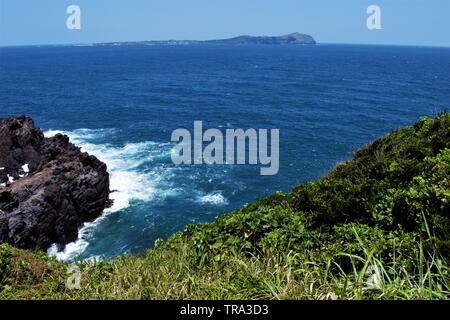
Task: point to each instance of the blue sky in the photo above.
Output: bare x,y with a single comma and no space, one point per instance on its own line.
404,22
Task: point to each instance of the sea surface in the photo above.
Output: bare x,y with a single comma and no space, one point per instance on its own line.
121,103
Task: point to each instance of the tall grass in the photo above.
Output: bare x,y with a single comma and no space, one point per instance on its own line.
172,274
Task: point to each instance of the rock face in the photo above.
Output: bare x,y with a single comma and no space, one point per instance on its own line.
48,187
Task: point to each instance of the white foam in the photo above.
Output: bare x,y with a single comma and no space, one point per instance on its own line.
215,198
129,186
10,179
25,168
76,248
71,251
127,182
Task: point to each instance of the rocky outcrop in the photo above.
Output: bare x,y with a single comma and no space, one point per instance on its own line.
48,187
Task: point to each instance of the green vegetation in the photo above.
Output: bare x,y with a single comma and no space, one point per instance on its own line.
385,213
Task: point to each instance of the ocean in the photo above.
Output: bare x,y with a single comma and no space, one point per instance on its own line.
121,104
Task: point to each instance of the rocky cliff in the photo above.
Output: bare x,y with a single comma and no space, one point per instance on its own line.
48,187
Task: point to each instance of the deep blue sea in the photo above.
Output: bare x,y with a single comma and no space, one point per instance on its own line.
121,103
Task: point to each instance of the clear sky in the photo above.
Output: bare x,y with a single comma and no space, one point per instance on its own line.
404,22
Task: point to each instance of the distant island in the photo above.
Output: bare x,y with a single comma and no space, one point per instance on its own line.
289,39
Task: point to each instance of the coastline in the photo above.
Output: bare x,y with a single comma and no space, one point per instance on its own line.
246,236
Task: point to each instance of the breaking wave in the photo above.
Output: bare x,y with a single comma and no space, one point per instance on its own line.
135,172
215,198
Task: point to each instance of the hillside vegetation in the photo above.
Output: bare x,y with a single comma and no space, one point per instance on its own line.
374,227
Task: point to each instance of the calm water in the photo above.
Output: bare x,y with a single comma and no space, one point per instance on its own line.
122,104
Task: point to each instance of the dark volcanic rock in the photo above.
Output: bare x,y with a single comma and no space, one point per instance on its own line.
48,187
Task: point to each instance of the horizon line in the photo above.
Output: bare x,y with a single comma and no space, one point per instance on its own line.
137,42
140,42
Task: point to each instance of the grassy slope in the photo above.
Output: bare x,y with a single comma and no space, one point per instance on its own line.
387,210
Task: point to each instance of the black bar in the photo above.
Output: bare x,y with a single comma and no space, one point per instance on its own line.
225,309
